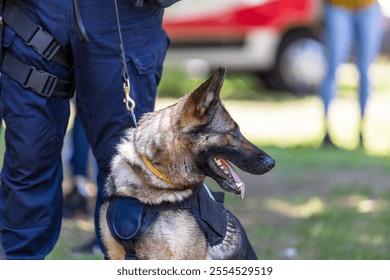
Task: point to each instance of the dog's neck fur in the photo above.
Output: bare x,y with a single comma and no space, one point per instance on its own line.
154,140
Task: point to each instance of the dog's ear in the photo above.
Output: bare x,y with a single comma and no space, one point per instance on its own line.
200,105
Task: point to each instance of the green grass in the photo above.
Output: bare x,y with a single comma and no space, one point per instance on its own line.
352,219
353,225
326,160
74,233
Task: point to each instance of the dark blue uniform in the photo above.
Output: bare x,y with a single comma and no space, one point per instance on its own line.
30,192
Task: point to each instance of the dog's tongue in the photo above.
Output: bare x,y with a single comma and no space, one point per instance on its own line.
240,185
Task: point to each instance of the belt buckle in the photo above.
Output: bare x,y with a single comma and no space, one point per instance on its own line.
44,43
41,82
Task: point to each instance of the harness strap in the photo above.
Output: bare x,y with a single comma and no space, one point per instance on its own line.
39,81
184,204
131,254
34,36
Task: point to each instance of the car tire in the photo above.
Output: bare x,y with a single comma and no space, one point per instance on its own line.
300,63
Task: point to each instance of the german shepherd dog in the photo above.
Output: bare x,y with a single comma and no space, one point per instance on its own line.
166,159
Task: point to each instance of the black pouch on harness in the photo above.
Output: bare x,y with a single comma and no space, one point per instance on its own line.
212,212
124,218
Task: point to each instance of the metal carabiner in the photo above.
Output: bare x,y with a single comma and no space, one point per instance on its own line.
130,103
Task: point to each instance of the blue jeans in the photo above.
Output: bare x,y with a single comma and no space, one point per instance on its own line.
30,192
344,29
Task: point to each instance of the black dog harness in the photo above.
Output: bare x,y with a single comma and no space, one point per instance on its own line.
129,220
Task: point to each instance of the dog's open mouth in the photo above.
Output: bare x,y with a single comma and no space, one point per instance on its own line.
232,182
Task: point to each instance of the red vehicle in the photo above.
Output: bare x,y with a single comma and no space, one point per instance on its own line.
276,39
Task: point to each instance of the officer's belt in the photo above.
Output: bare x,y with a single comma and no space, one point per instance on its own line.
39,81
34,36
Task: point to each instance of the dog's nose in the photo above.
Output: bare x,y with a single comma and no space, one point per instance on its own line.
269,162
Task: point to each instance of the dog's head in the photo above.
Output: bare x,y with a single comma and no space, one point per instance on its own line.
214,138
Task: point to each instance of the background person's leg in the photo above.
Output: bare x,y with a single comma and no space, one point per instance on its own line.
338,39
76,200
367,39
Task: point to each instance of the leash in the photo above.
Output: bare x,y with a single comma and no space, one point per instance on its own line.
80,29
130,103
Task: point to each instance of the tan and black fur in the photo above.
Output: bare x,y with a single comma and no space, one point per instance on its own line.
184,142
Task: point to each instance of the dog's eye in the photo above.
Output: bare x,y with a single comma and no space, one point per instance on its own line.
234,132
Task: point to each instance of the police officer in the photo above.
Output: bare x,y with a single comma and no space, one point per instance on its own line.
47,47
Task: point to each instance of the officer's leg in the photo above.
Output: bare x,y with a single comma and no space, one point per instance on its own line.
30,193
98,75
31,196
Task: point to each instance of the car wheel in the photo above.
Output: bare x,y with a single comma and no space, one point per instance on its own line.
301,62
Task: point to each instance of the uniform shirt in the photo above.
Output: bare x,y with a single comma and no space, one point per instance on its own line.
352,4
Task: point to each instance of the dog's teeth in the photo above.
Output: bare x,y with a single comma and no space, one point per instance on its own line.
241,187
